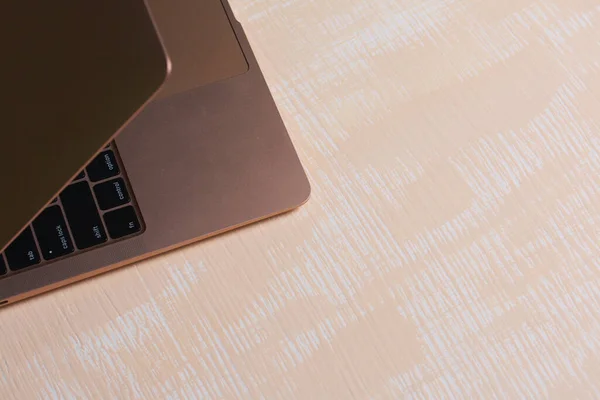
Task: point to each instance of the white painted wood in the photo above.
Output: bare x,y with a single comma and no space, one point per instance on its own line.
450,248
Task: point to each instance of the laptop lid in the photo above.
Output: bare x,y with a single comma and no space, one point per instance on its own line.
73,73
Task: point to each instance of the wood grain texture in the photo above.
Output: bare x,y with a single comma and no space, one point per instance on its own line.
450,248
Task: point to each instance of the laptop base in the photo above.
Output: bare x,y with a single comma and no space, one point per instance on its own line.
199,162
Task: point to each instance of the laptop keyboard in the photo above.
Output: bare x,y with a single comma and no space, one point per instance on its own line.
96,209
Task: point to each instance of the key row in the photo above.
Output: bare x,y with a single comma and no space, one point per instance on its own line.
52,231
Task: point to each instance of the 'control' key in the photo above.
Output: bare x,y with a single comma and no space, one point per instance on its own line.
111,194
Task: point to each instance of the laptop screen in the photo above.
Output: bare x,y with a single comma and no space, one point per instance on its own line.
73,74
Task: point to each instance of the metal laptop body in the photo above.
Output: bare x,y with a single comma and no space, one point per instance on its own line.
209,154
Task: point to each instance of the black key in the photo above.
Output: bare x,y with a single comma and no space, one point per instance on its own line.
122,222
82,215
79,176
22,253
103,166
51,231
2,265
111,194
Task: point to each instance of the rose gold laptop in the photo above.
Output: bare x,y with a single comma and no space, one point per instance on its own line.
115,152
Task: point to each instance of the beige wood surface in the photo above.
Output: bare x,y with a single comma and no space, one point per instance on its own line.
450,248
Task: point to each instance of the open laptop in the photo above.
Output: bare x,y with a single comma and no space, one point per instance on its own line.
134,127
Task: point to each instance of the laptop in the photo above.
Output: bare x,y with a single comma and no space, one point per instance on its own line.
134,128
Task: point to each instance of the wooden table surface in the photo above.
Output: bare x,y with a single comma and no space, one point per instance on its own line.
450,248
